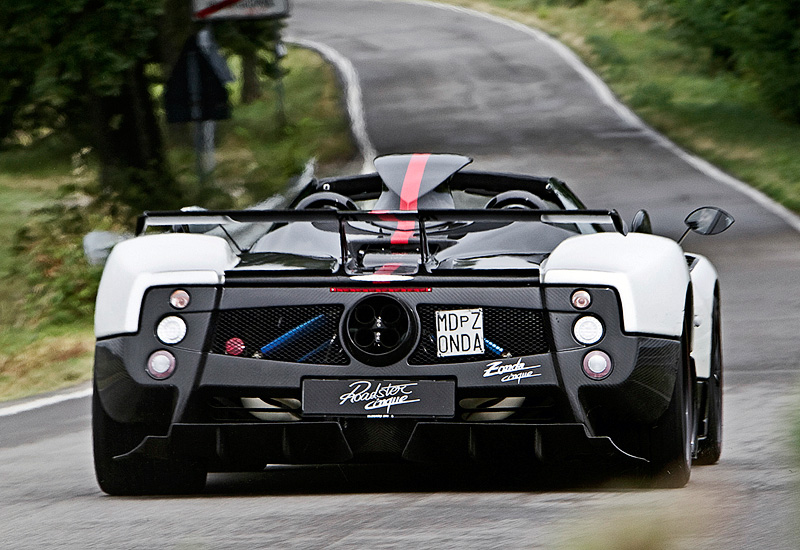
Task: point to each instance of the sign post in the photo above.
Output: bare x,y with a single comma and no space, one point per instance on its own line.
280,53
195,92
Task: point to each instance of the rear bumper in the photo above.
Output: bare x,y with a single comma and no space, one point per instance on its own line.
330,442
564,412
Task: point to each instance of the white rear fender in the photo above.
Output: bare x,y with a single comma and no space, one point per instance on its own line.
649,273
138,264
704,281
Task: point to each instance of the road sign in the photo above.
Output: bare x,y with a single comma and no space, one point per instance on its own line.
211,10
196,89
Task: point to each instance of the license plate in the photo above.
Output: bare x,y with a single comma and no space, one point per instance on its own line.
459,332
379,398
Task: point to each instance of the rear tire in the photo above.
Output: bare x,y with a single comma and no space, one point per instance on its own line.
136,476
710,446
671,437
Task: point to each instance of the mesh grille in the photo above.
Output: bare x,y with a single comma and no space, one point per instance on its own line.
510,332
293,334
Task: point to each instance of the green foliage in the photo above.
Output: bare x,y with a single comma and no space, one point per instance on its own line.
49,253
79,67
261,148
759,39
47,283
609,55
96,44
606,50
650,95
53,53
248,36
254,41
539,4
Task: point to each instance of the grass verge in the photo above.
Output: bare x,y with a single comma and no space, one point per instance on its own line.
35,357
258,150
673,87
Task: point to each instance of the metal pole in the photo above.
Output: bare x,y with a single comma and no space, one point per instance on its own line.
206,159
204,130
280,53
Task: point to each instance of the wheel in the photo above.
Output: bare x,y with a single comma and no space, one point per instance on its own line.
136,476
710,445
672,436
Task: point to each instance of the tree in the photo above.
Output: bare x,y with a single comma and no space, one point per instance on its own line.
757,39
770,50
87,68
80,66
249,40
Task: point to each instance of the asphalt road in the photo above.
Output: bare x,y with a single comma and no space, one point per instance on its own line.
435,79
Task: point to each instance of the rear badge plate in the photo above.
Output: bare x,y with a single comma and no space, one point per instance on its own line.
459,332
379,398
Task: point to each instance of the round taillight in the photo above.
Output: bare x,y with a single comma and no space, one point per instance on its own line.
160,365
588,330
597,365
234,346
171,330
179,299
581,299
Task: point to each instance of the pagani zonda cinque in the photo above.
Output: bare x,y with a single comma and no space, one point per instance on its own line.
421,313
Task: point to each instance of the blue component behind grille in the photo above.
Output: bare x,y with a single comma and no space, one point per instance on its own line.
292,334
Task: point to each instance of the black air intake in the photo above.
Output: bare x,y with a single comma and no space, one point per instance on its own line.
292,334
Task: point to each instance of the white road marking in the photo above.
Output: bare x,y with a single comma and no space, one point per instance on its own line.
355,104
44,402
607,96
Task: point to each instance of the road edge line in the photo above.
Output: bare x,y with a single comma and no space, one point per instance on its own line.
41,402
354,98
607,96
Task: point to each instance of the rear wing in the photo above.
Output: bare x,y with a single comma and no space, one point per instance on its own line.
225,217
205,219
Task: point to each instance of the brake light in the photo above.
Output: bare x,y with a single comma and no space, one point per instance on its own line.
348,289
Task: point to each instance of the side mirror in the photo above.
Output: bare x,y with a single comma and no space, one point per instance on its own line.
708,220
97,245
641,223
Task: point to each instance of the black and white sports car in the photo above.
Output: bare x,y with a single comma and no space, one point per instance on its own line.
421,313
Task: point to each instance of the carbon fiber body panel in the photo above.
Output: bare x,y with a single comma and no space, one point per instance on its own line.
511,400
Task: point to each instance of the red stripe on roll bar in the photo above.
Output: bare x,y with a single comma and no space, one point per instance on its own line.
409,194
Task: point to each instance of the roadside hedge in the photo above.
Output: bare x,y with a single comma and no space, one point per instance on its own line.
756,39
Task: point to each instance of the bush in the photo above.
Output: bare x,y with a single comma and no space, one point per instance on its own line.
771,52
758,39
49,256
651,94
